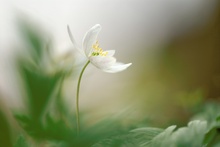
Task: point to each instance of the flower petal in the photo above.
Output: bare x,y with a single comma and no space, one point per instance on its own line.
102,62
90,38
73,41
110,53
117,67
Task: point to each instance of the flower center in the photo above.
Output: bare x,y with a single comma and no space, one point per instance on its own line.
97,51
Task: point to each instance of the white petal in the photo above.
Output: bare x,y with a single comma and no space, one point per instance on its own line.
102,62
117,67
73,41
90,38
110,52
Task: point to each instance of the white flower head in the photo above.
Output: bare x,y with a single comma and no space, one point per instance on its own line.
103,60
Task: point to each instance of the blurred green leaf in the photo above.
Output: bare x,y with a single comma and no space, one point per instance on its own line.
107,132
21,142
39,87
144,136
5,134
192,135
161,139
208,111
212,137
122,140
217,145
34,37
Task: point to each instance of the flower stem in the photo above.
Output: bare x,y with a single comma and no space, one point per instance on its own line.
77,98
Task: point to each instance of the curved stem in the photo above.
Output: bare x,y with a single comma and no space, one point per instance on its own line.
77,98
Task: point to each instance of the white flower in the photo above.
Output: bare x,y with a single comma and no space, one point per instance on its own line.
103,60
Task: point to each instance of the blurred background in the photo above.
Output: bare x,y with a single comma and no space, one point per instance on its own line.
174,47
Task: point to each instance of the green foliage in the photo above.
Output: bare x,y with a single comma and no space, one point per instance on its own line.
209,112
198,133
144,136
161,138
21,142
193,135
40,89
5,134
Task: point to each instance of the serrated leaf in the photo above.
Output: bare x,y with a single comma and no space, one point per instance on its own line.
145,135
182,137
192,135
160,139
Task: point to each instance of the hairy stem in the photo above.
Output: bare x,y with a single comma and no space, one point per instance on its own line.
77,98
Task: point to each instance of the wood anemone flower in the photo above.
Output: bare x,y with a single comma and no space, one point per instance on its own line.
103,60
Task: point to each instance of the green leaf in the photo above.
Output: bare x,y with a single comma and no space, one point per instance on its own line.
145,135
123,140
21,142
192,135
209,112
217,145
39,87
209,137
5,135
160,139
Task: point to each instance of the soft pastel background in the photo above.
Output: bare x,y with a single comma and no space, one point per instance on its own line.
173,45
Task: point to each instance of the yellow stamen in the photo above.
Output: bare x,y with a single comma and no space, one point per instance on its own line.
97,50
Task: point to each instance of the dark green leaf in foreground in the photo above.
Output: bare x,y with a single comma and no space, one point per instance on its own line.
5,135
213,135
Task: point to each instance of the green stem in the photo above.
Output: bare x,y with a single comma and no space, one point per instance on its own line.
77,98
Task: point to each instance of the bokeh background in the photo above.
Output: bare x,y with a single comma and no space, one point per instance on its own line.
174,47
